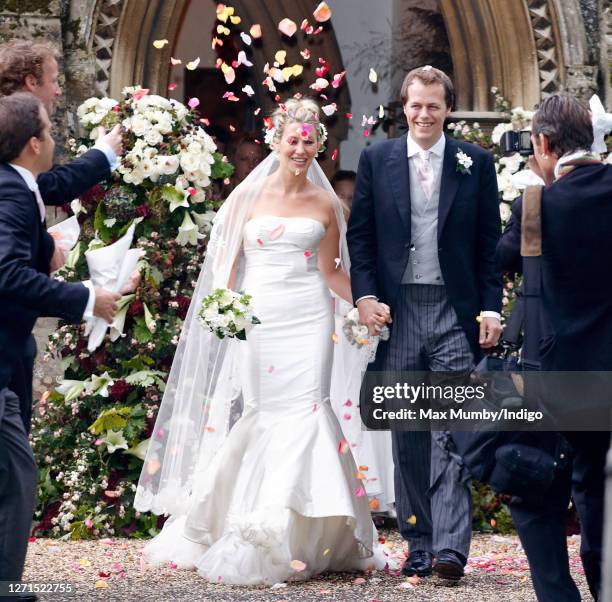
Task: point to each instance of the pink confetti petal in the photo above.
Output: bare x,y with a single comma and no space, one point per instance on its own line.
348,403
307,254
270,369
297,565
359,581
360,492
287,27
193,103
322,13
260,242
277,232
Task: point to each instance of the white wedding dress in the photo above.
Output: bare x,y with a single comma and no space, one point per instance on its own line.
280,488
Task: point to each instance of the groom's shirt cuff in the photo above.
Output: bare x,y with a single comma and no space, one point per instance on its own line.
88,313
491,314
109,153
366,297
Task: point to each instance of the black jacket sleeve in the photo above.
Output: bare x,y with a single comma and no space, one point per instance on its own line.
67,182
22,284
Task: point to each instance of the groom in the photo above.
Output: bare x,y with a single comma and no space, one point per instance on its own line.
27,292
422,236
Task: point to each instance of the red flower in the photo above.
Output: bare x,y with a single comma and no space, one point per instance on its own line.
183,307
136,308
93,195
143,211
119,390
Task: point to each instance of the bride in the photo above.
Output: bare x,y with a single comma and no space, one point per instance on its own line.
278,494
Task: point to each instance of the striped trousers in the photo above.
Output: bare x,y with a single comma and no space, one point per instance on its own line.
433,496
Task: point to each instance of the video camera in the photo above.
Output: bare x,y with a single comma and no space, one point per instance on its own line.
516,142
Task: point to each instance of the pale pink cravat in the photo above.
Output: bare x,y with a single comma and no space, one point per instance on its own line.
425,173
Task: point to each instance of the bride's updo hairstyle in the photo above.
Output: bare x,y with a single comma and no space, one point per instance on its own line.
294,110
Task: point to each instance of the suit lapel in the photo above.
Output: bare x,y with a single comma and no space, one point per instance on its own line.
399,178
449,184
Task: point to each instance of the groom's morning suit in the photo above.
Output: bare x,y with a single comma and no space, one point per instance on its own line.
429,255
58,186
26,292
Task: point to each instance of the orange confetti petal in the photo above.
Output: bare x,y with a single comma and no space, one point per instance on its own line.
297,565
153,466
335,338
255,31
374,504
322,13
364,468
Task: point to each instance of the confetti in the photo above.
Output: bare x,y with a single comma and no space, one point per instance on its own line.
243,60
330,109
224,12
235,20
294,71
139,94
246,38
159,43
326,551
360,476
320,84
260,242
411,520
228,72
277,232
413,580
335,338
359,581
322,13
210,429
152,467
223,31
192,65
287,27
360,492
101,584
171,87
297,565
230,96
343,446
255,31
347,417
279,585
374,504
193,103
280,57
381,112
349,115
305,53
270,369
335,154
84,563
364,468
307,254
373,76
348,403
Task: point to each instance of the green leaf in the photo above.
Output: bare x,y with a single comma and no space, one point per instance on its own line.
221,169
141,332
146,378
103,231
138,362
111,419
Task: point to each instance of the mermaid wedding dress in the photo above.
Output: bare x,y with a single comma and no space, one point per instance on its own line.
284,486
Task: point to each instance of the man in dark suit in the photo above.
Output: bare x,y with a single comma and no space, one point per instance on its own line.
29,66
422,236
576,299
26,292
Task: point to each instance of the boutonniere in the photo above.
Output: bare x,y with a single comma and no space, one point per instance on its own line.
464,162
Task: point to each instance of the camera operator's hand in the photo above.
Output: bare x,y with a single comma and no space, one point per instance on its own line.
490,331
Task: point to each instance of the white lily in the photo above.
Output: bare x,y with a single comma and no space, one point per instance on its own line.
188,232
115,440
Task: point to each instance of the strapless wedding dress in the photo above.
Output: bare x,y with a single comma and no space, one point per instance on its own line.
280,489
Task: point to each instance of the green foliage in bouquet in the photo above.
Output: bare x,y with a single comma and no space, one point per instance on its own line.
91,432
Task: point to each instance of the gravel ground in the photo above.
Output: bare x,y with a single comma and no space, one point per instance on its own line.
112,570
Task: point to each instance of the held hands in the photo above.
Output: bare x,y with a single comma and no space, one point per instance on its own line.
490,331
373,314
114,139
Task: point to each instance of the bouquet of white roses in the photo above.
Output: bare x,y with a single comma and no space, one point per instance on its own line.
227,314
356,332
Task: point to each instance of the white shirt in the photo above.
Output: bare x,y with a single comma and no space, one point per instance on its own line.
436,160
28,178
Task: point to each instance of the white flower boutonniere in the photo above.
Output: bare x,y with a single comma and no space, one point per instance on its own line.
464,162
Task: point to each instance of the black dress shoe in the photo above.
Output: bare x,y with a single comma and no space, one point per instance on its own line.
418,563
449,565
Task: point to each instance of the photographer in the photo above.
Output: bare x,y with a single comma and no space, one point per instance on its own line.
576,300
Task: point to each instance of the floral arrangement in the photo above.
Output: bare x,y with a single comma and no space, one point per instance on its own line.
227,314
91,431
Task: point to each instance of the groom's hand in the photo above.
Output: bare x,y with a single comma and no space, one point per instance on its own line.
105,306
373,314
490,331
114,139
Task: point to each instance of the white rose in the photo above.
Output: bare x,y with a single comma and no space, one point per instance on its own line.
189,161
498,130
167,164
226,298
511,163
153,137
505,212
